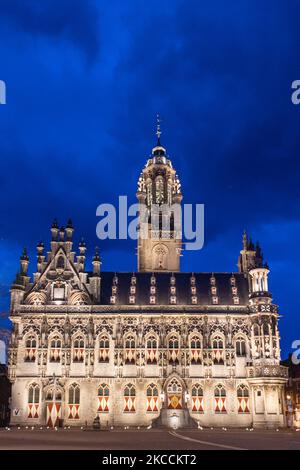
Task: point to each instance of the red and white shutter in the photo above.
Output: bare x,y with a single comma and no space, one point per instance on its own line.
243,405
73,411
129,404
220,404
152,403
53,413
103,404
33,410
104,355
197,404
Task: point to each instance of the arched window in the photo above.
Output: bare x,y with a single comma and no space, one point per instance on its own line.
196,352
30,348
78,349
53,394
74,401
103,398
55,349
240,347
130,349
218,355
173,346
151,350
273,326
74,394
266,329
159,187
130,342
217,343
152,398
33,401
197,399
129,398
220,399
104,348
243,399
256,330
34,393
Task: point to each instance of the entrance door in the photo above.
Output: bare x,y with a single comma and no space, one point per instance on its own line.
174,393
53,407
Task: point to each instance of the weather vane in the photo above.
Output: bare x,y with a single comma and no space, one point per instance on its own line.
158,131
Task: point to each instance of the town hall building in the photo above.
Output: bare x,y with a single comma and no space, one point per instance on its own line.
155,347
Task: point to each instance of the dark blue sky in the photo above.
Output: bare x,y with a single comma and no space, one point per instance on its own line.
85,80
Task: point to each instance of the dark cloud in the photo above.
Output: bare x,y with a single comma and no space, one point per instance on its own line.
75,20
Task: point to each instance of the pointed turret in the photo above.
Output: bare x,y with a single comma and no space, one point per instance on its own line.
246,258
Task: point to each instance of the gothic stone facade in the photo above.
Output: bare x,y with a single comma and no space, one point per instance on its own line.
155,346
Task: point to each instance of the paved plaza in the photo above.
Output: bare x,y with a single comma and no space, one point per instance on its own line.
153,439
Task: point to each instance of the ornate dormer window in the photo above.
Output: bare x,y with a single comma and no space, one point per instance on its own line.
232,280
172,281
173,290
194,299
153,280
212,280
152,299
115,280
152,289
133,280
193,290
132,289
114,289
132,299
236,300
215,300
173,299
193,280
234,290
214,290
112,299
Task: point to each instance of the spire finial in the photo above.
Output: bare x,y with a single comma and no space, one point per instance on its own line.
158,130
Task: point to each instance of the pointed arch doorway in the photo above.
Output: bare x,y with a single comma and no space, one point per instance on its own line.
174,391
53,400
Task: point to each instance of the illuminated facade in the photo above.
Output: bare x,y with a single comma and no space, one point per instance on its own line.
158,346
